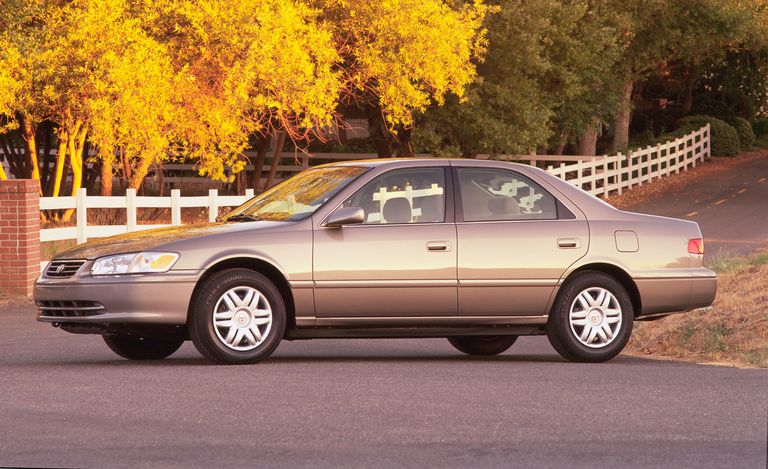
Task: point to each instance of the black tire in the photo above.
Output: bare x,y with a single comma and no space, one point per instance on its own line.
482,345
201,324
565,338
135,347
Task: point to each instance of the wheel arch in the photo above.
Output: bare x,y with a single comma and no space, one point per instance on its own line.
617,273
261,266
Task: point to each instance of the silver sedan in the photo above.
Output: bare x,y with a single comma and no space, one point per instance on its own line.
480,252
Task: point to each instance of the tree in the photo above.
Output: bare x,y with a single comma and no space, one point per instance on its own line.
659,32
245,67
10,88
545,73
402,56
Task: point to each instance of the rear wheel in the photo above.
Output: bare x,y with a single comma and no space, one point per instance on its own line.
591,320
238,316
482,345
142,348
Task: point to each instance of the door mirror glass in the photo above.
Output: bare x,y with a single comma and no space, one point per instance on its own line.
345,216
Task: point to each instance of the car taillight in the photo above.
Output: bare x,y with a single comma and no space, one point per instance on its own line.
696,246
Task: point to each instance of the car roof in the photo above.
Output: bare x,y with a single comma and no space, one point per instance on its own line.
405,162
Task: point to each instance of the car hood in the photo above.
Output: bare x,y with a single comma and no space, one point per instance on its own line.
147,240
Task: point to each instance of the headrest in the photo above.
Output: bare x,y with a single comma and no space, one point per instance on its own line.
397,210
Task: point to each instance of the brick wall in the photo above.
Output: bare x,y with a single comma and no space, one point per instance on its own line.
19,235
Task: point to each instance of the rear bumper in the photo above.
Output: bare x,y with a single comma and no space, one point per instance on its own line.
668,295
139,299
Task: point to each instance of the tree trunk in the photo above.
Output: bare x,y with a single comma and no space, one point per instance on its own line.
46,174
275,160
587,145
377,128
688,91
621,119
93,175
30,138
258,166
127,170
138,174
61,157
404,148
107,171
76,144
11,156
561,143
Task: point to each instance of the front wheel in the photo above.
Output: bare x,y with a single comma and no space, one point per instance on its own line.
591,320
482,345
142,348
238,316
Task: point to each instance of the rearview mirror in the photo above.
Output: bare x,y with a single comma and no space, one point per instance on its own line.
345,216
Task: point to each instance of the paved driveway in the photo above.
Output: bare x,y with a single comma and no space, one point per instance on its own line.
67,401
730,206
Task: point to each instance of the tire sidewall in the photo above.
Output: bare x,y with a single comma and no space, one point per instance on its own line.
560,318
205,302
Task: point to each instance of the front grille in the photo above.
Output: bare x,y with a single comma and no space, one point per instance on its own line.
69,309
63,269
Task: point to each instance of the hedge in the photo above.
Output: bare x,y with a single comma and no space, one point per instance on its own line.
744,129
724,139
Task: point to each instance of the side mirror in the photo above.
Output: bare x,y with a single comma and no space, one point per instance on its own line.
345,216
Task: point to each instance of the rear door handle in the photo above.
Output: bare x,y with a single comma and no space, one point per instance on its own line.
568,243
438,246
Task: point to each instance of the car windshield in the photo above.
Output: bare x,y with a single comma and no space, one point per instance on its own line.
298,197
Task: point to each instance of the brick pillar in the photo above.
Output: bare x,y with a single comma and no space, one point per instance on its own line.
19,235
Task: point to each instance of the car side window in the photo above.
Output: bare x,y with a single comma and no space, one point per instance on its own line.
414,195
495,194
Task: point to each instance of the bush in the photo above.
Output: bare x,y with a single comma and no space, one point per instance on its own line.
744,129
760,127
725,139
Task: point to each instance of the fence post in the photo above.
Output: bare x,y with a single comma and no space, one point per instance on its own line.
213,208
708,152
249,193
82,215
130,209
175,207
19,235
619,173
605,176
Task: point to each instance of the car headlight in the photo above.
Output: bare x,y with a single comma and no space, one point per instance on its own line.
135,263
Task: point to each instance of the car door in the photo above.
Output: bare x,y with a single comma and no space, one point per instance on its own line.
515,242
401,261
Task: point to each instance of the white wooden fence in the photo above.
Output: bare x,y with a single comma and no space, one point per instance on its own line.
606,174
130,202
599,175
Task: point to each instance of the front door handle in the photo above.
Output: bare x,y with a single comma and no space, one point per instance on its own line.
438,246
568,243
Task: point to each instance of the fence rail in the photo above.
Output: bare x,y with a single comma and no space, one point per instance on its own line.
598,175
130,202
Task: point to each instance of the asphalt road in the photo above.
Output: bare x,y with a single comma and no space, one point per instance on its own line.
731,207
67,401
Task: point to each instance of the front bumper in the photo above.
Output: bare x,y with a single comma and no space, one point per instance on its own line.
121,299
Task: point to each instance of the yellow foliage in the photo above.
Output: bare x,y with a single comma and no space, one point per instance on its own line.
147,80
405,55
11,85
246,66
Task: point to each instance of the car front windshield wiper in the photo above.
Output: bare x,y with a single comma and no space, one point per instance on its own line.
241,217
